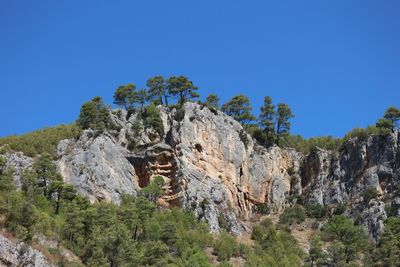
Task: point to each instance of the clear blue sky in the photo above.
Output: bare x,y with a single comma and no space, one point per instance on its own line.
336,63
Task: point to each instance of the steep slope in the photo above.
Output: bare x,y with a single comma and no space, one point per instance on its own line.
213,167
14,253
209,164
361,166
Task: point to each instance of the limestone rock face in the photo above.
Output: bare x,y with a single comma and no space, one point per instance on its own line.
212,166
361,164
331,178
18,162
20,254
221,166
97,167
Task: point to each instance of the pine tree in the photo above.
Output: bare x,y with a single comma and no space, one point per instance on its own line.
183,88
392,114
212,101
141,97
125,96
267,119
284,114
156,87
240,109
94,114
46,172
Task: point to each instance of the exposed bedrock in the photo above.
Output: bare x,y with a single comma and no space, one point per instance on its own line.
213,167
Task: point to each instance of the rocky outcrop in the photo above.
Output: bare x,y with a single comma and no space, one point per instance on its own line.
213,167
344,177
220,165
209,163
331,177
18,163
97,167
20,254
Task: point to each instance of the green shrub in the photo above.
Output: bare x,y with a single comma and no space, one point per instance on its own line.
261,208
339,209
179,114
276,248
388,247
224,223
369,194
294,214
195,257
152,119
258,233
363,133
315,210
94,115
226,247
308,145
348,240
40,141
315,225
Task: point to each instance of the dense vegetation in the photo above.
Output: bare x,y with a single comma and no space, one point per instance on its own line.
340,241
136,233
40,141
139,232
275,246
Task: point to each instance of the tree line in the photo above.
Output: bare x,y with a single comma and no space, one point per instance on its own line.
272,126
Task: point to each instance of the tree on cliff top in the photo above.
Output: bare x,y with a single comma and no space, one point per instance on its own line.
212,101
94,114
284,114
157,89
267,119
240,109
125,95
183,88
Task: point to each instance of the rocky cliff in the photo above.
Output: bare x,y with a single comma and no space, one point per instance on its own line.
347,176
14,253
213,167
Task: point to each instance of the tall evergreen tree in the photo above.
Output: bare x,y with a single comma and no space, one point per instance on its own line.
125,95
240,109
392,114
284,114
156,87
316,253
212,101
182,87
267,119
61,191
94,114
46,172
141,97
388,247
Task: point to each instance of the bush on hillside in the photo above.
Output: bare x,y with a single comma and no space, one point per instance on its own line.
290,215
40,141
315,210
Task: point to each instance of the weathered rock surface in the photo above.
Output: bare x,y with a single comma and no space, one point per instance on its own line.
331,178
211,166
18,162
97,167
20,254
